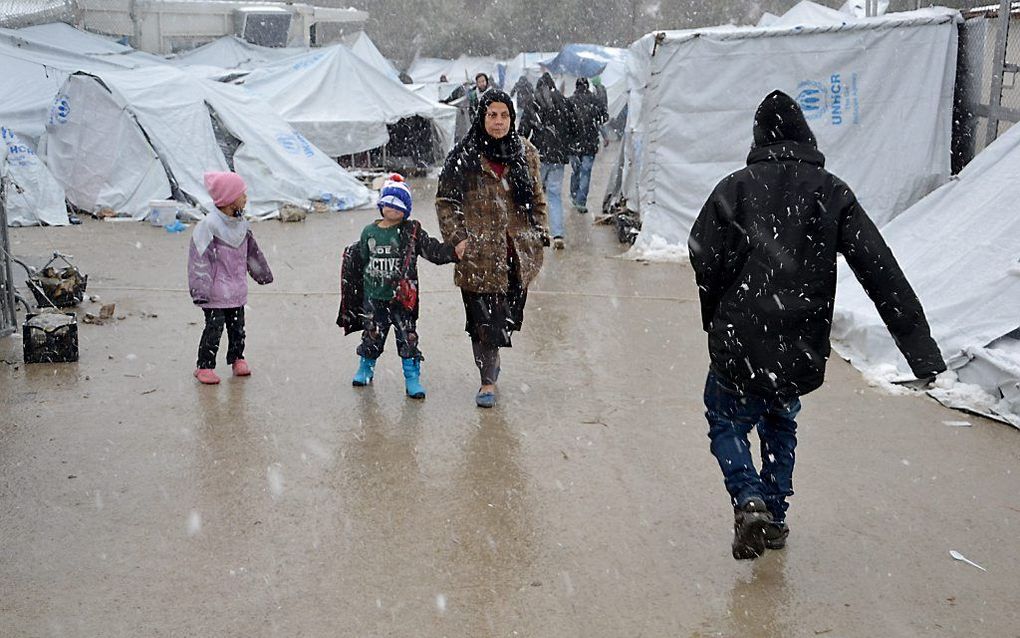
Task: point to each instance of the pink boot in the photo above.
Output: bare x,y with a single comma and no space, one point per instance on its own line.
241,368
207,376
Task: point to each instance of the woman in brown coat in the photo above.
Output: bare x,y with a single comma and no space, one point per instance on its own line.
490,193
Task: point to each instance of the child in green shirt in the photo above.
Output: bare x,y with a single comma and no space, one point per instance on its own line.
389,249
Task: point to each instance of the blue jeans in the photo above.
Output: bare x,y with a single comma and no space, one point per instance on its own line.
552,181
731,416
580,179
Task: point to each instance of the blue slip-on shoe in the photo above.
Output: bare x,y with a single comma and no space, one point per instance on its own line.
485,399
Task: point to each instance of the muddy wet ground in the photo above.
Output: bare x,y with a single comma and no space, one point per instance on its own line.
134,502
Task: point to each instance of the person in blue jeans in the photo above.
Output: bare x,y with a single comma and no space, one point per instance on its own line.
548,121
764,251
589,115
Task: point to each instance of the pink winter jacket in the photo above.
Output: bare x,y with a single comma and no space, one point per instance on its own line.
218,278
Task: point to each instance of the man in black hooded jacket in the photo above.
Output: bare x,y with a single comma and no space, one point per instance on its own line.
764,254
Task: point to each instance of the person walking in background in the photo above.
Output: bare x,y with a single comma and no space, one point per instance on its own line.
490,194
590,115
222,253
550,126
764,251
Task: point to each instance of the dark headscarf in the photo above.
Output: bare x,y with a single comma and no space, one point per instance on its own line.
465,158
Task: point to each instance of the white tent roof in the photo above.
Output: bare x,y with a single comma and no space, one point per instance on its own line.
38,68
231,52
524,64
341,103
960,250
98,152
681,142
364,48
463,69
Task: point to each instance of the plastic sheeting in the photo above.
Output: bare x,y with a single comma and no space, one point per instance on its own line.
463,69
877,92
523,65
173,114
342,104
231,52
33,196
362,46
960,250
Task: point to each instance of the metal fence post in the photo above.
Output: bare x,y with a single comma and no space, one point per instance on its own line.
8,316
998,71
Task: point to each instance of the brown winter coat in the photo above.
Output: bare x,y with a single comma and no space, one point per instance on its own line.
487,217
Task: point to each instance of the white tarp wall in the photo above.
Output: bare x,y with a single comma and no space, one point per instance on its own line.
960,250
463,69
362,46
172,112
341,103
33,196
877,92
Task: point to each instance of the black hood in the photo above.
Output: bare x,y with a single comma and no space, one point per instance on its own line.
779,120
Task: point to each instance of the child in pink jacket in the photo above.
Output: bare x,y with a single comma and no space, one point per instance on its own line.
223,253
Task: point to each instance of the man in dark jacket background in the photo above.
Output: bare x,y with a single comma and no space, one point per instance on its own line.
549,124
589,116
764,254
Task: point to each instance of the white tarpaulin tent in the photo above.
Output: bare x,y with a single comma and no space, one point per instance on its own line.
463,69
362,46
231,52
33,196
878,93
342,104
960,250
523,65
154,130
588,61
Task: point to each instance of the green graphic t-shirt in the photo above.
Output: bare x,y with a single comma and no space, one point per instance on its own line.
380,248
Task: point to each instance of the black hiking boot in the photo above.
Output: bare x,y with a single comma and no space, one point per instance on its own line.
775,535
749,522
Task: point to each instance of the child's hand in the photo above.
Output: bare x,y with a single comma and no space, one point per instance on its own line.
460,249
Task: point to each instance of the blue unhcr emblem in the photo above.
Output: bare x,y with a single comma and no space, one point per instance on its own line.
60,110
813,99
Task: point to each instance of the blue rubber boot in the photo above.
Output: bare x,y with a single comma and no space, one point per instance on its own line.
365,372
412,376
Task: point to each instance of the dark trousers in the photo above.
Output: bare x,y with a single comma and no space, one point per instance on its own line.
378,317
215,320
731,416
487,360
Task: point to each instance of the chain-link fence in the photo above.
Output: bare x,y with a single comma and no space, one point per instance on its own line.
22,13
988,60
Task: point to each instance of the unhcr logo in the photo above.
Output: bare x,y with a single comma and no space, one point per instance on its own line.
813,99
60,110
295,144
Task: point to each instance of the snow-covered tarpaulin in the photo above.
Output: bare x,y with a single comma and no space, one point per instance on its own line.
878,93
362,46
131,136
341,103
231,52
32,197
960,250
463,69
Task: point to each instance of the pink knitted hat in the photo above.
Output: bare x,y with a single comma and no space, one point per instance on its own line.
225,188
